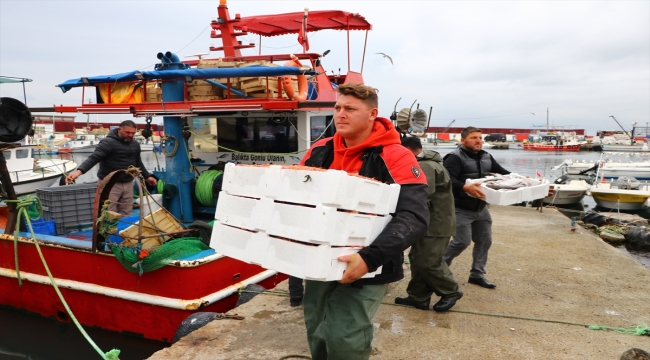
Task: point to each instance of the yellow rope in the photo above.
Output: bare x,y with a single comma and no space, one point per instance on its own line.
21,206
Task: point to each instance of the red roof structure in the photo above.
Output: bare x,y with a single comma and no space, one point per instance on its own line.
290,23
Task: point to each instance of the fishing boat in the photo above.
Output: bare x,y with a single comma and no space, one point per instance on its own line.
28,174
83,143
267,109
551,147
640,148
562,193
622,193
145,144
611,166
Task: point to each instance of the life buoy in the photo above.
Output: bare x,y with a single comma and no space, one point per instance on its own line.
302,82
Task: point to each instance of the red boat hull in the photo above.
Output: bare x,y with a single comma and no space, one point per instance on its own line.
540,147
96,309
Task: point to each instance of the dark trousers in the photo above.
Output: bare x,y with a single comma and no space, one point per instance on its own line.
338,318
471,226
296,289
429,273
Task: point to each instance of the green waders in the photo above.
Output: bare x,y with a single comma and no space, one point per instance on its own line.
429,273
338,318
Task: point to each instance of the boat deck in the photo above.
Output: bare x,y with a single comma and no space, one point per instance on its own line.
545,274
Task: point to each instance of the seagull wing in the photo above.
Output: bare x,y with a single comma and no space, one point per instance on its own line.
386,56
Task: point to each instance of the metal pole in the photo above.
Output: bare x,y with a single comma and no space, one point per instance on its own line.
348,31
24,93
363,58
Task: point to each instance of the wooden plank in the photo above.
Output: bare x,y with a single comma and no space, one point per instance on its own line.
164,221
203,64
204,97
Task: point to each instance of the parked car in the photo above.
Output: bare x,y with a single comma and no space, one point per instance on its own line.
495,137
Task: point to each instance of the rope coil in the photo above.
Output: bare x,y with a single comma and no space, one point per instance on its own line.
204,187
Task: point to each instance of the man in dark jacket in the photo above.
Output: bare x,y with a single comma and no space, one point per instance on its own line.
473,220
338,315
117,151
429,273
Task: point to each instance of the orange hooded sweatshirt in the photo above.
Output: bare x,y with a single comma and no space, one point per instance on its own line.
349,159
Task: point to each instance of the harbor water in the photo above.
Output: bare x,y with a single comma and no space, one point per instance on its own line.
24,336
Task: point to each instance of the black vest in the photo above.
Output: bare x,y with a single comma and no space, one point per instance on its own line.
474,166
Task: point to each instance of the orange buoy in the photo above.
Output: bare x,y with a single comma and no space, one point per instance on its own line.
302,82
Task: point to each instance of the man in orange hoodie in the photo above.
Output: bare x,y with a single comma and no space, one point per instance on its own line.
338,315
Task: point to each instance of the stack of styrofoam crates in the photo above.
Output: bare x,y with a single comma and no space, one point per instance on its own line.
299,220
538,190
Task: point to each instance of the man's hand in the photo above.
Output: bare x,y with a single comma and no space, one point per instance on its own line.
474,190
355,270
151,180
70,178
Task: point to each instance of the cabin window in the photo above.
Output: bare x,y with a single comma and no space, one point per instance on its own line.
7,154
22,153
205,137
319,125
267,134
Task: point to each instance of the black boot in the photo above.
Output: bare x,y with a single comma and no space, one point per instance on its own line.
408,301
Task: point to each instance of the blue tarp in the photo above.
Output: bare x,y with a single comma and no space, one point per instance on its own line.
251,71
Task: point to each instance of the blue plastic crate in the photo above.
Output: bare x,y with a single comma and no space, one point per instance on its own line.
43,227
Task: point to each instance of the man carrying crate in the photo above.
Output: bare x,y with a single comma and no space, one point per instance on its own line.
117,151
338,315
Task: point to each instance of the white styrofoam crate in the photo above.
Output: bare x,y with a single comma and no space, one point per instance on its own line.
306,261
310,262
316,224
240,244
312,187
509,197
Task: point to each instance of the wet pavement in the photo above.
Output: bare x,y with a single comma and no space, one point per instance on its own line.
550,284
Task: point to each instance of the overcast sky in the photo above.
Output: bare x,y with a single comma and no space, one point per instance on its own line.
483,63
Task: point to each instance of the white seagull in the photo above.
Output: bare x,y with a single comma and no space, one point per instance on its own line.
386,56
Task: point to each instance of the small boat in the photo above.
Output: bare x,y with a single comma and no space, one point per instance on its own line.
28,174
622,193
562,193
627,148
145,144
516,146
609,168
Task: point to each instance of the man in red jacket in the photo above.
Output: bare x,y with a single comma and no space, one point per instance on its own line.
338,315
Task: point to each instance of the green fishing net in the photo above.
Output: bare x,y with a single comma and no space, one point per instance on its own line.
138,260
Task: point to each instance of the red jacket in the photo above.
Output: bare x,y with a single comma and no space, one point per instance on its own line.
382,157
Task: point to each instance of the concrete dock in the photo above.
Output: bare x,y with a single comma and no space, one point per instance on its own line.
546,277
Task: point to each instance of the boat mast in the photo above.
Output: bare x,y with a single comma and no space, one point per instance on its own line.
631,135
231,46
